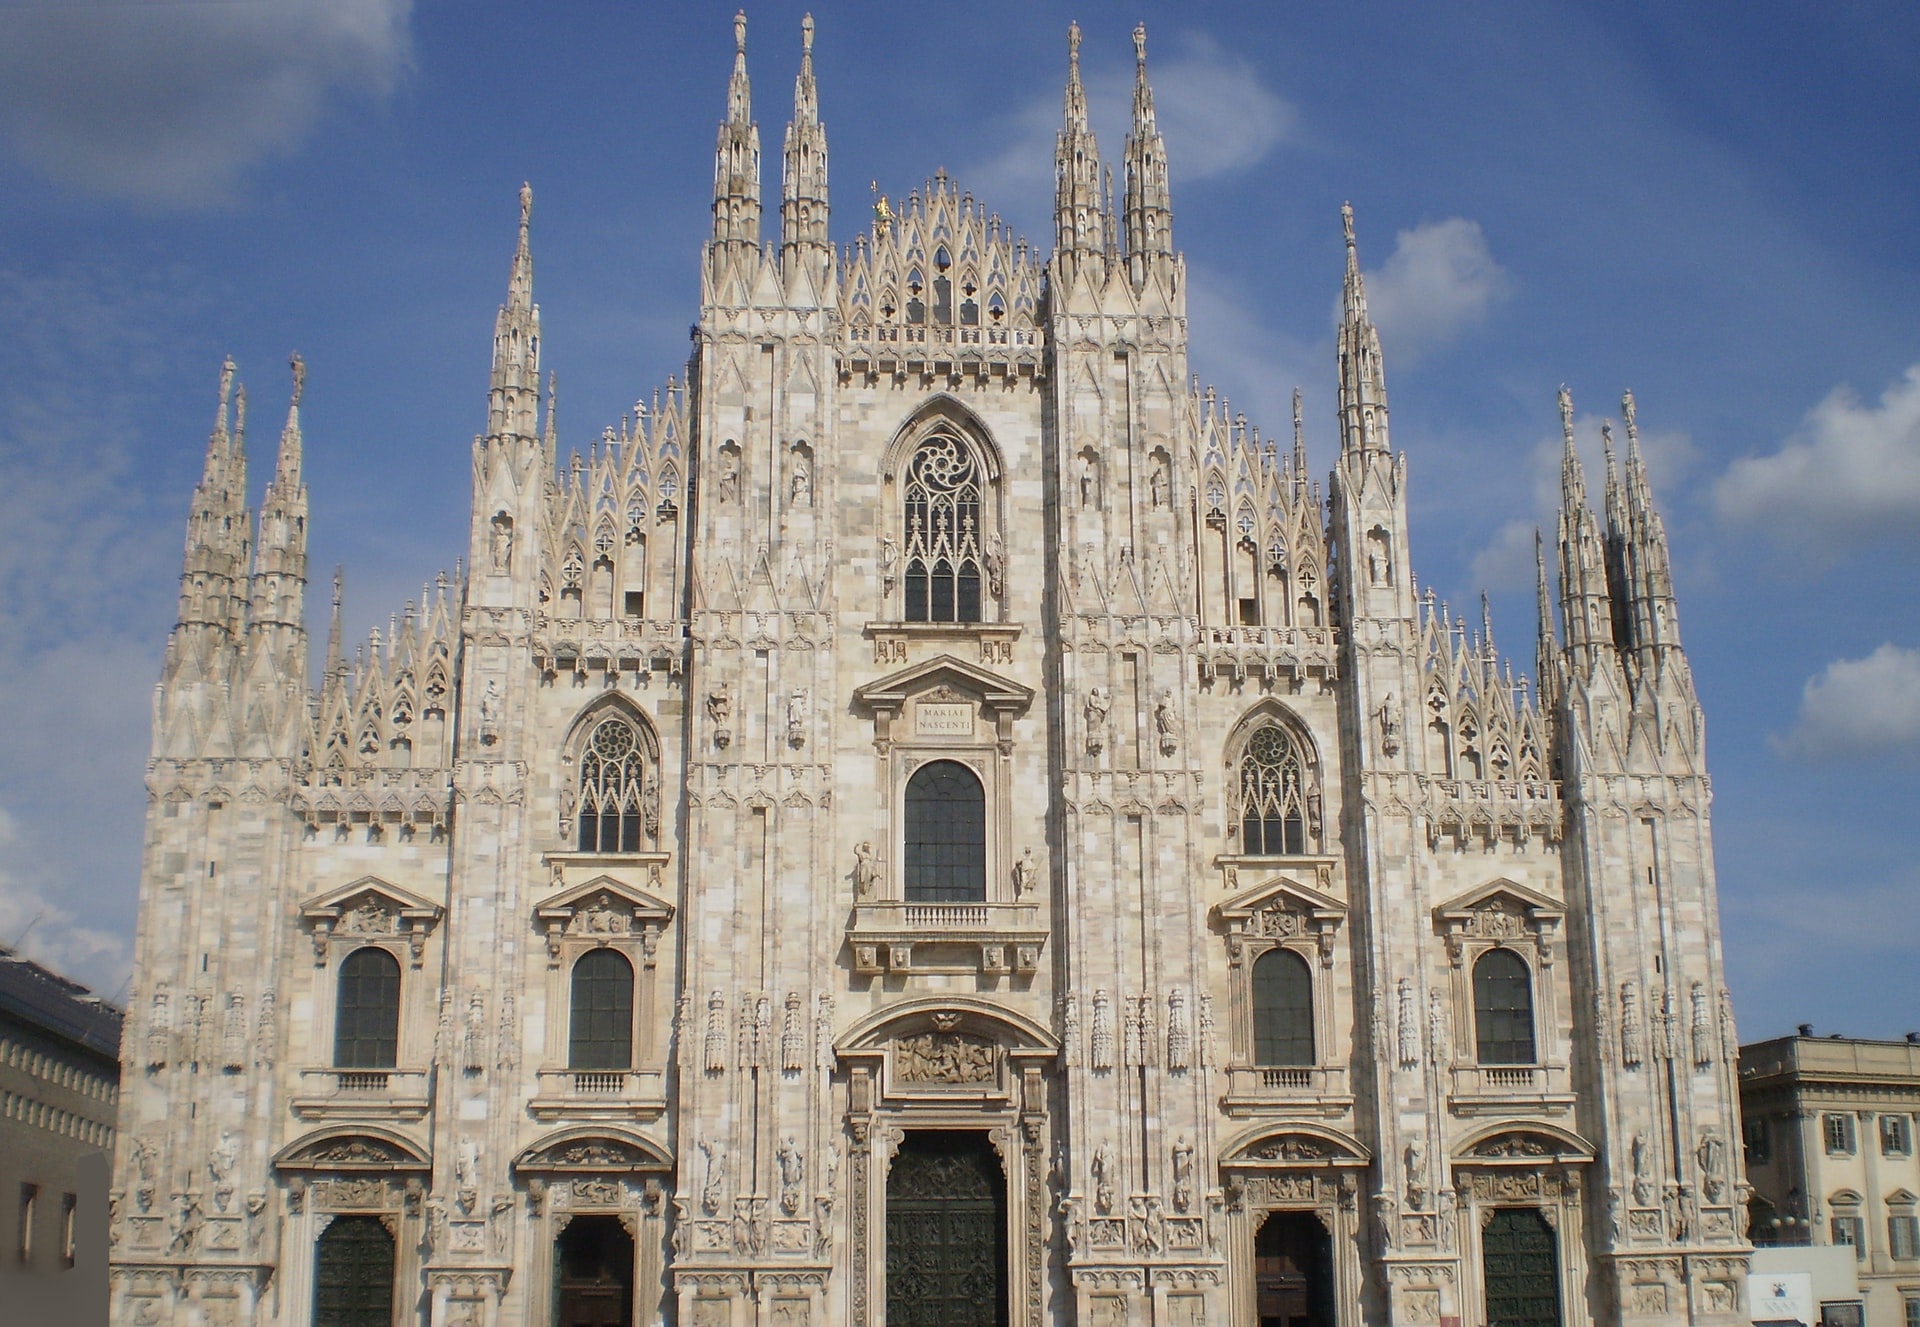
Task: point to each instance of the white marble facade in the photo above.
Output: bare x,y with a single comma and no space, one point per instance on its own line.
1160,595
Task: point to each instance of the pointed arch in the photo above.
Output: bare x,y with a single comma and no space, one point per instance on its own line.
942,476
1273,779
612,753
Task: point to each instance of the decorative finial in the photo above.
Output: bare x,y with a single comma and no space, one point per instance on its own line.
1606,439
1296,412
299,376
1346,222
526,204
1566,413
1140,44
740,32
1073,46
1626,408
806,35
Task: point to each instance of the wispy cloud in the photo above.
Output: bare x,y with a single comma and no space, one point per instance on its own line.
1217,116
1850,476
1439,281
167,104
1859,708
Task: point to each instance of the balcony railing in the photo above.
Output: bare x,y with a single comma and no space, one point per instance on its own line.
1491,1088
595,1092
1312,1089
323,1093
996,937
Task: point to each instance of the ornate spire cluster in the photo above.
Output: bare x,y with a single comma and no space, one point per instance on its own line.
513,402
1363,380
803,200
389,708
1081,220
212,603
736,157
1149,205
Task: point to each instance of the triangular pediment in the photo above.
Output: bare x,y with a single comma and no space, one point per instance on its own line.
369,895
1501,893
1279,892
606,894
1902,1198
971,681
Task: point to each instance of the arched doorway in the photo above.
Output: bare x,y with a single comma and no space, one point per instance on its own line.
946,1232
353,1274
593,1274
1293,1271
1520,1261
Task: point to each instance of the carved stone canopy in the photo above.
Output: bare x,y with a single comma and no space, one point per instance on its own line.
1497,911
598,1151
1281,909
602,910
1295,1146
1001,699
364,1150
1527,1144
370,909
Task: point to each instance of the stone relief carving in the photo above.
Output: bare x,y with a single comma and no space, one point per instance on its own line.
1103,1179
1102,1030
1437,1038
1415,1161
944,1057
793,1035
1204,1030
1182,1174
716,1039
1630,1052
716,1177
1408,1027
793,1173
1642,1181
1712,1158
1178,1045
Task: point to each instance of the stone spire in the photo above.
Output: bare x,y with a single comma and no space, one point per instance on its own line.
1646,563
1585,606
736,158
1079,209
803,198
1363,382
513,401
217,533
278,591
1546,650
1149,206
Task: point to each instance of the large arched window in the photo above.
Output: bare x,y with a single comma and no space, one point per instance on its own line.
943,536
619,798
601,1030
1503,1008
353,1274
1273,795
366,1017
1282,1009
946,840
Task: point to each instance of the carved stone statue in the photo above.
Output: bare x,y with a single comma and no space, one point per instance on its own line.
1389,713
793,1173
1166,722
716,1156
1103,1178
1182,1174
1099,701
500,542
800,488
797,717
490,704
866,870
1023,874
1415,1159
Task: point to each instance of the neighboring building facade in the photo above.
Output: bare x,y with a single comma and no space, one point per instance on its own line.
935,820
1828,1126
59,1092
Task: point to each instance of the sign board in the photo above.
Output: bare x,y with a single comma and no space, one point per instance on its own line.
942,719
1781,1297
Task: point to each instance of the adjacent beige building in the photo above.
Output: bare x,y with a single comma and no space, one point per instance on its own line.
1828,1126
934,819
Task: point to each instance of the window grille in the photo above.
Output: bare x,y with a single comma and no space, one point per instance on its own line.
946,838
1503,1008
618,796
601,1032
1273,795
1838,1130
1282,1009
366,1019
943,549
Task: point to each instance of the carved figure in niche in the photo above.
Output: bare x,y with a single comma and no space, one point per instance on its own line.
1379,557
943,1057
866,870
1182,1174
500,542
1676,1217
1153,1226
1389,713
793,1173
1702,1027
466,1163
490,702
1085,471
1712,1156
996,560
1157,483
1023,878
1103,1179
889,562
1166,722
1436,1026
1203,1029
797,718
729,475
224,1157
370,917
1385,1209
1099,701
601,918
1415,1160
716,1156
186,1222
800,487
1642,1186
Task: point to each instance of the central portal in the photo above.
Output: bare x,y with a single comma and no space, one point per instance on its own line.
1293,1271
594,1286
946,1232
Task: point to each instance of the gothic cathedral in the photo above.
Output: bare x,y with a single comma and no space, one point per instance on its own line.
934,821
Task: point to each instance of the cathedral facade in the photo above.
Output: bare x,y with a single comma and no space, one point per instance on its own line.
932,821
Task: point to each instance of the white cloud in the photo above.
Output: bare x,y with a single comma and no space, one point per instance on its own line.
1859,707
1254,364
1850,476
1507,562
1440,280
49,934
1216,115
166,104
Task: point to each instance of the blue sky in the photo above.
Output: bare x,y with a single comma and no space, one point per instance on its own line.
1712,204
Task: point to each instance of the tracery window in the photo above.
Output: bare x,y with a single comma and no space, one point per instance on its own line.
1503,1008
1273,795
619,796
366,1016
943,548
600,1034
946,835
1282,1009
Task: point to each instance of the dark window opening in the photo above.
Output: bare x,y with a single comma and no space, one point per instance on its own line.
619,795
636,603
353,1274
600,1034
366,1021
946,838
1503,1008
1282,1009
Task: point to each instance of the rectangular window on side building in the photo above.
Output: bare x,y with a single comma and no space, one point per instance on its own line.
1896,1135
1759,1146
29,1198
68,1206
1903,1236
1848,1230
1839,1135
1911,1307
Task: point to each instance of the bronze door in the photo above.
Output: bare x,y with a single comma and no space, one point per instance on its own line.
946,1233
1521,1263
353,1274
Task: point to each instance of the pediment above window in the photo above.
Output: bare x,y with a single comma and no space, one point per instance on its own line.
943,699
1497,911
362,1150
370,909
595,1151
1281,909
1534,1143
1297,1145
603,910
